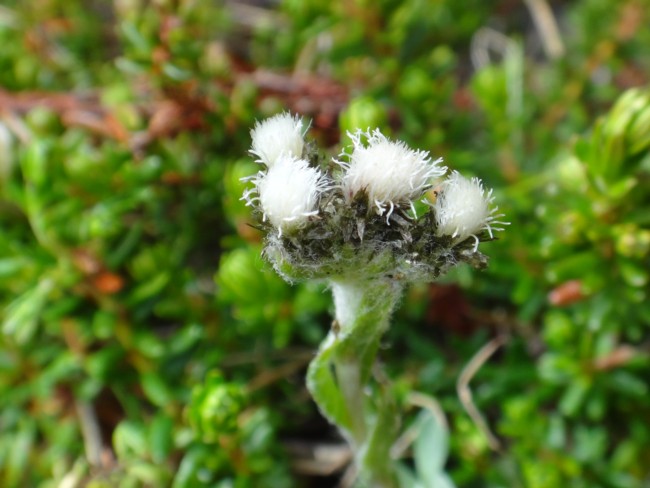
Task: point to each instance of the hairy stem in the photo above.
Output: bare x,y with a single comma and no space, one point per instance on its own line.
338,378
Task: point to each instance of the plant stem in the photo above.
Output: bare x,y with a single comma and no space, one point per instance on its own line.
339,376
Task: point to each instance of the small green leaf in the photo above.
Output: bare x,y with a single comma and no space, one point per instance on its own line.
129,440
103,363
22,315
156,389
148,289
628,384
192,463
149,344
35,163
10,266
363,112
557,368
321,382
149,474
633,273
574,397
18,456
161,437
135,39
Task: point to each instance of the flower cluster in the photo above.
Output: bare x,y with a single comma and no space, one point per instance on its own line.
288,191
356,214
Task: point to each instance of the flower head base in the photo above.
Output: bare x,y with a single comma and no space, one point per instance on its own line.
389,172
280,135
289,192
462,209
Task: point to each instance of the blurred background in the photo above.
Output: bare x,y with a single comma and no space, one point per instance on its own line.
144,341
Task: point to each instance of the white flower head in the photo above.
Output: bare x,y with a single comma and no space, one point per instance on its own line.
282,134
389,171
288,193
463,209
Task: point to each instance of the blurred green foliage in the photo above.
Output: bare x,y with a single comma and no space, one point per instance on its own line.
144,341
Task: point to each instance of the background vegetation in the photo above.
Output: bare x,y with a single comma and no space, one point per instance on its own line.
145,343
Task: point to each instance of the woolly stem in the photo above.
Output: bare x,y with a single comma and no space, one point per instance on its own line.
339,376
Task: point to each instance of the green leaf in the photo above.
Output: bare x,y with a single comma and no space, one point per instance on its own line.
129,440
633,273
35,163
406,478
12,265
385,427
192,463
557,368
156,389
18,456
23,314
322,384
626,383
362,112
574,396
442,480
161,432
150,345
150,288
431,446
135,39
103,363
149,474
621,188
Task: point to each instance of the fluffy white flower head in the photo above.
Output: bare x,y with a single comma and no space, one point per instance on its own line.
389,171
289,192
281,134
463,209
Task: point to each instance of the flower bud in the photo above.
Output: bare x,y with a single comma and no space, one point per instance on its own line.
277,136
462,209
289,192
390,172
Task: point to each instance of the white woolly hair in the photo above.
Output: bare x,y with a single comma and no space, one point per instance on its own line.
462,209
389,171
288,192
281,134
